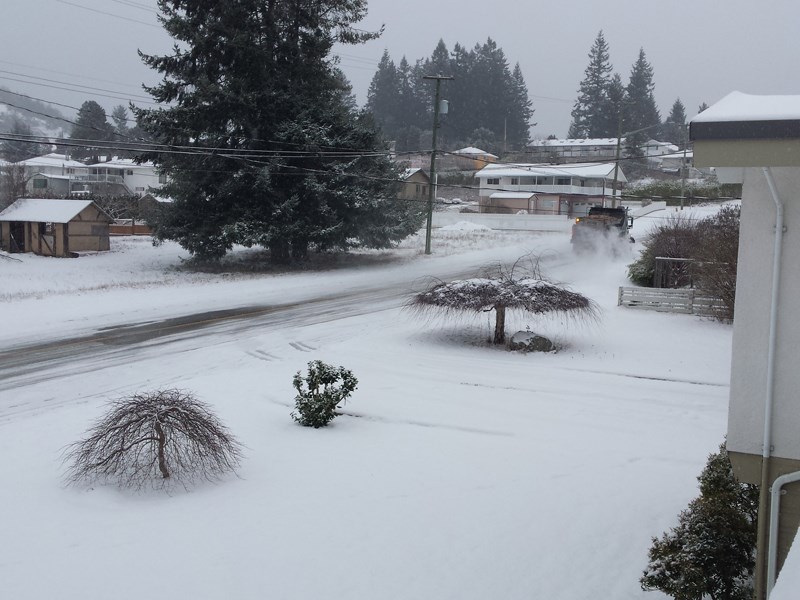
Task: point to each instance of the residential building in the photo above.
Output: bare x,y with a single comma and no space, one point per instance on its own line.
415,185
755,140
574,150
52,173
121,176
569,189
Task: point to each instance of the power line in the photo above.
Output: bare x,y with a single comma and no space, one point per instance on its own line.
109,14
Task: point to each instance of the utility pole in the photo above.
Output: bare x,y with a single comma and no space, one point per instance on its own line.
432,186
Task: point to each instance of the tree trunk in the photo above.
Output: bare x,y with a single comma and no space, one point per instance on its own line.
162,442
500,324
279,252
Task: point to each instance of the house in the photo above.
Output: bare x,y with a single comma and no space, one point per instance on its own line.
415,185
52,173
568,189
54,227
755,140
119,176
471,159
575,150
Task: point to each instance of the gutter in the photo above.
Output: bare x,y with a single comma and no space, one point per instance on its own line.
775,504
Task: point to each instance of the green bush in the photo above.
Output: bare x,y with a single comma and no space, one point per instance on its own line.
711,552
320,392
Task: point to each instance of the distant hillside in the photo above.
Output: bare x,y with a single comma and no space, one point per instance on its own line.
43,119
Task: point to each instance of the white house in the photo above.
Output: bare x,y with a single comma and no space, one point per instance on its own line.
755,140
575,150
547,189
52,172
122,175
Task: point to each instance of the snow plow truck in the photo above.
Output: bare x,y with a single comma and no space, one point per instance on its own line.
601,227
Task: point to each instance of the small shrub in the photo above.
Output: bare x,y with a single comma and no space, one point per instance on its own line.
320,392
676,237
158,438
711,552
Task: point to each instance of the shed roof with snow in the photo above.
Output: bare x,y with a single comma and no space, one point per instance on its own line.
39,210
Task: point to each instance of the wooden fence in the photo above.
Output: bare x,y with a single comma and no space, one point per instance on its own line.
685,300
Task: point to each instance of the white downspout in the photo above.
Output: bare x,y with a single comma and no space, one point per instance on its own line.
770,392
774,509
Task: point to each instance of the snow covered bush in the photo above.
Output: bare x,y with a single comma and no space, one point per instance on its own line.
156,439
711,552
320,392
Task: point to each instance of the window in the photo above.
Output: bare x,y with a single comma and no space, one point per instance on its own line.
39,184
515,181
493,181
563,181
129,172
162,178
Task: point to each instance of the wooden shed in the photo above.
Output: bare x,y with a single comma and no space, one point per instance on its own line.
54,227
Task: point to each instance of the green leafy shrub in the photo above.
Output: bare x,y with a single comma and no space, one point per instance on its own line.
320,392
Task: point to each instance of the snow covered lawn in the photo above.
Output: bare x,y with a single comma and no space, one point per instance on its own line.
457,471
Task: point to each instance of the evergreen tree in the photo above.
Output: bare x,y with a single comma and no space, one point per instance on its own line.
674,129
91,125
119,115
519,111
484,94
702,107
641,110
711,552
279,159
616,97
590,117
383,96
22,147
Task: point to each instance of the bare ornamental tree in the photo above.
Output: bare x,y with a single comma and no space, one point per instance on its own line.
501,291
156,439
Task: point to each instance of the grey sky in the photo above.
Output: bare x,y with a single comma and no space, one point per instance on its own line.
700,50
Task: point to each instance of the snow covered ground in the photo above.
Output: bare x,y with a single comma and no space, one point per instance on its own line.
459,471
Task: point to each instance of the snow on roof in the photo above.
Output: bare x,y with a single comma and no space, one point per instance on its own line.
738,106
38,210
125,163
513,195
52,160
472,151
409,172
589,170
576,142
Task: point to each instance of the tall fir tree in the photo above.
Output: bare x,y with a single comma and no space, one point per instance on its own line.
590,118
674,129
91,125
520,111
641,110
614,113
383,96
275,155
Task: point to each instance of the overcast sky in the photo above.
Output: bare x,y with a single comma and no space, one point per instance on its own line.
700,50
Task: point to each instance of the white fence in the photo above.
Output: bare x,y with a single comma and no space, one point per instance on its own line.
559,223
687,301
